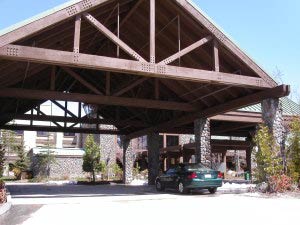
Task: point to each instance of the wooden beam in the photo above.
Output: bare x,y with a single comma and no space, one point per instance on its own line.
156,88
63,58
52,78
47,21
107,85
94,99
130,86
83,120
93,21
216,56
243,117
77,34
185,51
277,92
221,37
61,129
82,81
63,108
152,31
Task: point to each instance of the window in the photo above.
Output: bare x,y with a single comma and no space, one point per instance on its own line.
172,140
171,171
142,142
42,133
69,134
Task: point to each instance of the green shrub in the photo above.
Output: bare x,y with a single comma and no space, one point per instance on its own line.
91,157
267,157
293,153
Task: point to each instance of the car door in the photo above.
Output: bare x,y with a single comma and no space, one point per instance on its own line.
175,176
169,177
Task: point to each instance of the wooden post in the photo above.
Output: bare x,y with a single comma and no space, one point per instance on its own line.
118,30
52,79
156,85
107,86
152,31
216,57
66,108
77,34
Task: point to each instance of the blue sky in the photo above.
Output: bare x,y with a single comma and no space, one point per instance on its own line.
268,30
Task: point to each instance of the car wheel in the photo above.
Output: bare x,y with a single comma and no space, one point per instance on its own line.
212,190
159,186
181,189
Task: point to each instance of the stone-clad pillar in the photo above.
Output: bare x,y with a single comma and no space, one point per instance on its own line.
153,157
128,161
202,141
273,119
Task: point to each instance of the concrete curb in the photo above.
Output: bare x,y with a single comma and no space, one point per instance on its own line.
6,206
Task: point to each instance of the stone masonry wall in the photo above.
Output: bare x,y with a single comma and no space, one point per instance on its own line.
63,167
128,161
202,141
108,146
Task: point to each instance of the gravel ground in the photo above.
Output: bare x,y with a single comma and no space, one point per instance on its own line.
45,204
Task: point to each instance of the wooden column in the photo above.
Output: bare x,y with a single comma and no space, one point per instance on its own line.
216,56
77,34
152,31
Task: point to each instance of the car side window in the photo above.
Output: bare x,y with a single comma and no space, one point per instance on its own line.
171,171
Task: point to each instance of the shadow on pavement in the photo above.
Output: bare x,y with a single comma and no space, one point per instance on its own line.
67,191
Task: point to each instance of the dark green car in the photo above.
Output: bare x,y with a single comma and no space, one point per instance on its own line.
186,177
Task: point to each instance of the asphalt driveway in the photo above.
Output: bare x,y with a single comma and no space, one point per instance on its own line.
42,204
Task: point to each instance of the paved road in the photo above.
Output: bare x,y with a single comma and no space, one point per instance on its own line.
75,204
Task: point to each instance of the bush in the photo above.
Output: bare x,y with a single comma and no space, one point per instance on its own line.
293,153
267,159
280,183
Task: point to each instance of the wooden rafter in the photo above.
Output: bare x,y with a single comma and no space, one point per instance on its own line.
82,81
62,58
185,51
216,56
112,37
130,86
152,31
83,120
279,91
77,34
94,99
50,20
62,129
63,108
219,35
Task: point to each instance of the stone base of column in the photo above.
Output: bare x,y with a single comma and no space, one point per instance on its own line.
202,141
128,161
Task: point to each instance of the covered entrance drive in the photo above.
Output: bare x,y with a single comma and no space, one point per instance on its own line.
144,66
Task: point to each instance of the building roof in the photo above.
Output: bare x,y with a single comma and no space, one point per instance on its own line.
162,89
290,108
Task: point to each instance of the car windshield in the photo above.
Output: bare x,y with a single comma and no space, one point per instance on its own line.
195,167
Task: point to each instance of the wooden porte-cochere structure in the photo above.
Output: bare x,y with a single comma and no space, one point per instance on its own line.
144,66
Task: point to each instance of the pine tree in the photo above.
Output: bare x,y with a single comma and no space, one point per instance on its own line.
91,158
